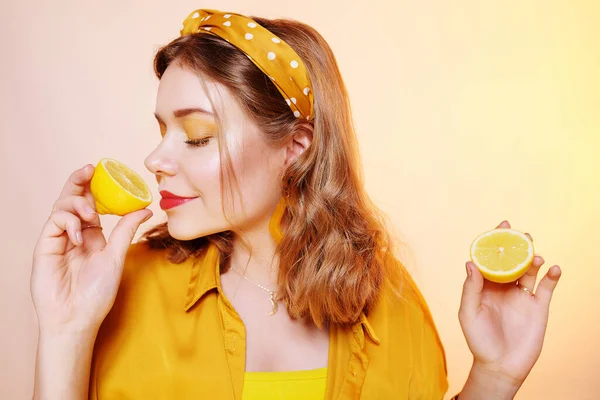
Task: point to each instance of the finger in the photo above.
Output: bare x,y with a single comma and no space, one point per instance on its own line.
547,284
503,224
80,206
529,278
52,241
471,295
123,233
78,181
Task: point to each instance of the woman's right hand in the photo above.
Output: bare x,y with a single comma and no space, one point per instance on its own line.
74,284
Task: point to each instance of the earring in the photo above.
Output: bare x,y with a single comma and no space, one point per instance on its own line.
275,221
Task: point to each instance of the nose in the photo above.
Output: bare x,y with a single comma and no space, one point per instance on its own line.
160,164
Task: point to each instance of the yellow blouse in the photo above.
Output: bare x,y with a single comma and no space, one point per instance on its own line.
172,334
292,385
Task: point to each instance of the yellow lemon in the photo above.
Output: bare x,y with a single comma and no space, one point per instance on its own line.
502,255
118,189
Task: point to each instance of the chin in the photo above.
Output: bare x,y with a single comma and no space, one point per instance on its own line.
188,232
180,233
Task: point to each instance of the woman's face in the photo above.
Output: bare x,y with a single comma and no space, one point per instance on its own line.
192,170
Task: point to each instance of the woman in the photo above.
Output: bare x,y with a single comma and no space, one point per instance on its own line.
274,276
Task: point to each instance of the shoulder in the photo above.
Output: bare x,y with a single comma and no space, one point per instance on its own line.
404,310
149,280
403,307
138,268
143,262
147,271
403,321
150,284
139,254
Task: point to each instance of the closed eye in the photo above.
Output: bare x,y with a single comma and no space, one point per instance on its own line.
197,142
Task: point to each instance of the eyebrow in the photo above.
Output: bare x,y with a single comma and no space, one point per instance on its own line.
186,111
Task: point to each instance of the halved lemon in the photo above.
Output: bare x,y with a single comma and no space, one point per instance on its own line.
117,189
502,255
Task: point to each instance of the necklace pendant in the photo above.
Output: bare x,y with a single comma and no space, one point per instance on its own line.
273,303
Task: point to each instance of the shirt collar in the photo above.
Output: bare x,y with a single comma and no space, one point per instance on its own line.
204,277
367,327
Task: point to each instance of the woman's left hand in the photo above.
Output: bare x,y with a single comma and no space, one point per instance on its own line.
504,326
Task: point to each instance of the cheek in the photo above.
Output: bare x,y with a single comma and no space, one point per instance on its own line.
257,172
204,176
204,215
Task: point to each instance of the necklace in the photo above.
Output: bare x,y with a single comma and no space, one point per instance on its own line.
274,304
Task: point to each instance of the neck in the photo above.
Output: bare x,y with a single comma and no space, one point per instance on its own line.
256,258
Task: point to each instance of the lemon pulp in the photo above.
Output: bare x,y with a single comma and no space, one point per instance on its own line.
502,255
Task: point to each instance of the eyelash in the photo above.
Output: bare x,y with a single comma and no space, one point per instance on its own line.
197,142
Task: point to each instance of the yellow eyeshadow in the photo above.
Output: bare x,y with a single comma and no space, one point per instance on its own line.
200,126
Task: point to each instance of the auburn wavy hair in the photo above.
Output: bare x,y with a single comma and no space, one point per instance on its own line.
336,253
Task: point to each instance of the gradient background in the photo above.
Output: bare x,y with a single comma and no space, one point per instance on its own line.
468,113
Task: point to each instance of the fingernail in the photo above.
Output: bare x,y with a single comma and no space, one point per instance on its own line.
147,218
89,210
468,269
557,271
78,237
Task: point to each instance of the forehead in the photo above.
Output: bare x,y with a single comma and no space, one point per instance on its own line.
181,88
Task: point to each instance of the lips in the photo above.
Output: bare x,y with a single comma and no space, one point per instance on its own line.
170,200
168,195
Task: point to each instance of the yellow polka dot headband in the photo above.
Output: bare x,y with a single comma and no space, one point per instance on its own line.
270,54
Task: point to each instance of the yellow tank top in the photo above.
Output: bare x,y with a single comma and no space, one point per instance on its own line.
289,385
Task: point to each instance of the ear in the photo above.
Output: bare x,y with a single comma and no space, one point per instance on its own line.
299,142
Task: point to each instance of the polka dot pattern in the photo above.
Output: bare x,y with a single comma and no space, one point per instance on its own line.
273,56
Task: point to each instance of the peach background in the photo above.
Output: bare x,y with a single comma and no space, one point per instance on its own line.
468,113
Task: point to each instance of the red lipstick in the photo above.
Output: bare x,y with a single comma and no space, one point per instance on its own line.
170,200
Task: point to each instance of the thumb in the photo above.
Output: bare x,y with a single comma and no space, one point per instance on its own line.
471,295
123,233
